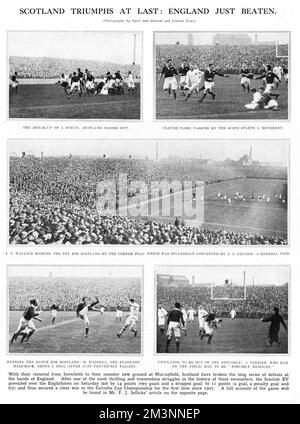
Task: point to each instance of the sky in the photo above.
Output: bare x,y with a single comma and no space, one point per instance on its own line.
207,37
264,151
115,47
267,275
75,271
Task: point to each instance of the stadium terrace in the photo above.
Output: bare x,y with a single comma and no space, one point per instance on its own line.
188,11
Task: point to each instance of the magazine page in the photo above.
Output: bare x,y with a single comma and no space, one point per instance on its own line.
149,207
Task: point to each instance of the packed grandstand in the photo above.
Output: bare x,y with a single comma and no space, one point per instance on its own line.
53,200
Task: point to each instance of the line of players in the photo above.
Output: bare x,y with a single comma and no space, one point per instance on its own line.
190,80
79,81
259,197
176,323
26,326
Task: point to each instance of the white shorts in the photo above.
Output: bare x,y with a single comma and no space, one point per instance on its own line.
119,314
182,80
85,318
90,85
191,319
201,323
132,321
170,83
269,88
75,86
271,103
14,84
286,77
208,329
174,329
25,323
54,313
130,84
161,321
252,106
194,86
208,85
245,80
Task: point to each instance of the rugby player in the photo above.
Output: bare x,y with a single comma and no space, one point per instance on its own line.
82,311
132,318
26,322
169,73
209,76
161,315
175,321
182,72
275,319
53,312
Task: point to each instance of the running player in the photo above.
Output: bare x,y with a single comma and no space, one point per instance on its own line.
193,80
89,83
14,82
211,323
271,79
26,322
209,76
278,71
246,77
53,312
161,315
82,311
202,313
132,318
169,73
75,85
175,321
232,314
182,72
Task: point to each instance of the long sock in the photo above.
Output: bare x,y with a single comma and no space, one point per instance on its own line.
167,345
122,330
203,97
86,331
177,347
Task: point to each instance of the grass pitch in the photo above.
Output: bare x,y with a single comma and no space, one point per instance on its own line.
229,103
48,101
235,336
67,335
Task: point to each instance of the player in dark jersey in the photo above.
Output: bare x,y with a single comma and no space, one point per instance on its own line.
53,312
174,322
169,73
245,76
26,326
81,77
275,319
209,76
211,323
75,85
82,311
182,71
14,82
89,83
270,78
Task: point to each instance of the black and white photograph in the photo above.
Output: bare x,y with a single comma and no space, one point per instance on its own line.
147,192
92,75
75,309
222,75
222,309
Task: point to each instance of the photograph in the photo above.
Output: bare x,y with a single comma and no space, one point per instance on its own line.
222,309
74,75
147,192
74,309
222,75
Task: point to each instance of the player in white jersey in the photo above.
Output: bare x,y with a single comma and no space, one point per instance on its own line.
185,316
232,314
82,311
278,71
257,98
161,316
130,82
132,318
202,313
193,80
191,314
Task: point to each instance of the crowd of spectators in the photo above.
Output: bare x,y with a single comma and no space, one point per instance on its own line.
54,200
259,300
46,67
227,58
67,292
